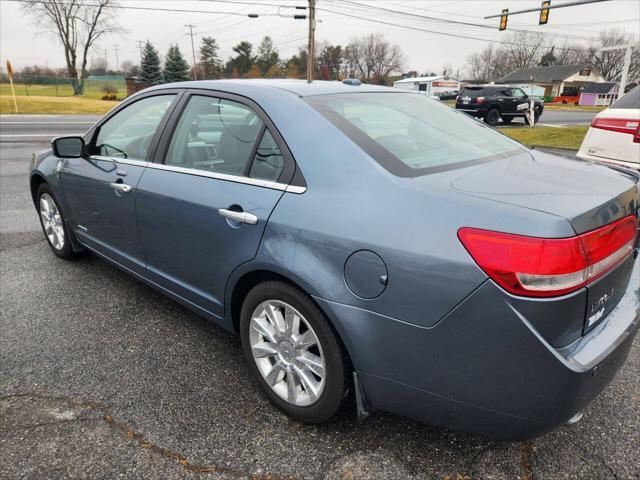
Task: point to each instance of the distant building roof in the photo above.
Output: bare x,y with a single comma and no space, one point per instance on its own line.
603,87
554,73
424,79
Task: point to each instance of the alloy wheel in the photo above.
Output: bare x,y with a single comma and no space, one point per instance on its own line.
287,353
52,221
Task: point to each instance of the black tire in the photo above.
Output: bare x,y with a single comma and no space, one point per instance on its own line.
66,250
492,117
536,116
506,119
337,375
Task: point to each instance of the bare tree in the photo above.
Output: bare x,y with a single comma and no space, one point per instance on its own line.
78,26
372,58
526,49
611,63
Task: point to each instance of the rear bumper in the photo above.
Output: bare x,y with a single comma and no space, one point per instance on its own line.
484,368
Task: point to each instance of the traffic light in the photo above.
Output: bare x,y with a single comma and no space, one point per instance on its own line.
503,19
544,13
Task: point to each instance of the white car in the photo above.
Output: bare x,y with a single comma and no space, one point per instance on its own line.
614,135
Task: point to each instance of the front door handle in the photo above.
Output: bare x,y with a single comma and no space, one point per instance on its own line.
120,187
242,217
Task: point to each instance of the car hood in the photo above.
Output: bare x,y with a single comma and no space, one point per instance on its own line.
587,194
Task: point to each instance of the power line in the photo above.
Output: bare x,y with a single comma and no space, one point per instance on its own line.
457,22
435,32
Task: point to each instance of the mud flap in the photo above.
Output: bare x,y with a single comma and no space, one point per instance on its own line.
361,404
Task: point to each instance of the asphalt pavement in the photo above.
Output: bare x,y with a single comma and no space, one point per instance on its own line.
39,128
102,377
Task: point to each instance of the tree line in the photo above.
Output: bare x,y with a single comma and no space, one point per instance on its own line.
525,50
370,58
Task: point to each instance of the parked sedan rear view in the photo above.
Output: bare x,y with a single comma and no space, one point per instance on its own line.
614,135
363,239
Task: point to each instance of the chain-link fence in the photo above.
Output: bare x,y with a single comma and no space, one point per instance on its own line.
107,87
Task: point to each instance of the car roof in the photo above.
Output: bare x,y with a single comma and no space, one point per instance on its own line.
301,88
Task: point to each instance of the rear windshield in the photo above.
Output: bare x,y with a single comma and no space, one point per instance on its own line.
476,92
630,100
411,135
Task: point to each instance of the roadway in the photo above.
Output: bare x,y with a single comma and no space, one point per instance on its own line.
42,128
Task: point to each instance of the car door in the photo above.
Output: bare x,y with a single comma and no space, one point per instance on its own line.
506,102
99,190
204,203
520,100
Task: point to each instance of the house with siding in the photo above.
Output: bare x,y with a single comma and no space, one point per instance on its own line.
556,79
603,93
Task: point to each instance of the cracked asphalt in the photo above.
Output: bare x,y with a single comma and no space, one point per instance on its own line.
103,377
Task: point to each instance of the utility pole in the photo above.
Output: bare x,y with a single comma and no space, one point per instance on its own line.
106,61
117,62
140,42
312,47
193,50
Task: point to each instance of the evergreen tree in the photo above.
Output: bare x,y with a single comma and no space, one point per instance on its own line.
150,65
209,58
267,55
176,68
243,60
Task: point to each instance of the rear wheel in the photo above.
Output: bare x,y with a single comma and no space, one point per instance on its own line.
293,352
53,223
492,117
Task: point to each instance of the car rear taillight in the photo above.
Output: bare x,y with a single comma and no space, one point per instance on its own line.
547,267
479,100
620,125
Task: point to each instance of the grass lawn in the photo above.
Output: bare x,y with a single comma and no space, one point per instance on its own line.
92,89
561,137
43,105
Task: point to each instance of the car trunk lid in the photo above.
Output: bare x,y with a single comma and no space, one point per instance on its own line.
587,195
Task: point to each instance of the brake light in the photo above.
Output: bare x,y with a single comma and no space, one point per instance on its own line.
547,267
620,125
479,100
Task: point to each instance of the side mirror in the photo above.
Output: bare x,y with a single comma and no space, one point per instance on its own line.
68,147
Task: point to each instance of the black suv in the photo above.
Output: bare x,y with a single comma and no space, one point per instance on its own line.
493,102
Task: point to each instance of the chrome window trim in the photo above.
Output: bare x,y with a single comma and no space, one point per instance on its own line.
124,161
230,178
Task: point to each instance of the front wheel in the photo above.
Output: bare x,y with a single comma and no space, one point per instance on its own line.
492,117
53,223
293,352
536,116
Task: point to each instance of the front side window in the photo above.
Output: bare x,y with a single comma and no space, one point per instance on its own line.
411,135
216,135
517,92
129,132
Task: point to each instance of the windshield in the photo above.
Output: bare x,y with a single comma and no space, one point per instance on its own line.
411,135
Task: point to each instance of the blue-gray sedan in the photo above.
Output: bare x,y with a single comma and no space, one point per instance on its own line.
370,246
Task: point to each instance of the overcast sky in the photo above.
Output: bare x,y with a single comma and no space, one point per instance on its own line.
24,43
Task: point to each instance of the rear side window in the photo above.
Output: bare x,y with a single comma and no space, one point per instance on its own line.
215,135
411,135
630,100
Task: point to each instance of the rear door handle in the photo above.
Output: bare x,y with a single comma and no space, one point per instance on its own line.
121,187
242,217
